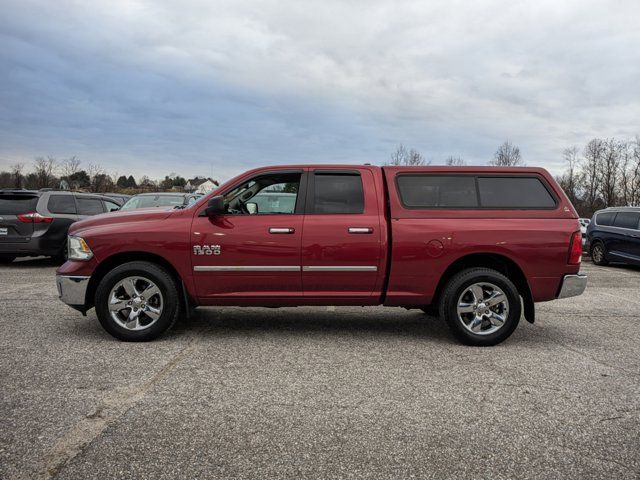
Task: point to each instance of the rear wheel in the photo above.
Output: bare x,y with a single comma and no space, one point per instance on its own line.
7,258
599,254
481,306
137,301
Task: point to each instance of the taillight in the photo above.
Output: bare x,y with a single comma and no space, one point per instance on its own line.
575,248
33,217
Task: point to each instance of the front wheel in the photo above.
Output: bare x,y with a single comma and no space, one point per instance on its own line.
599,254
481,306
137,301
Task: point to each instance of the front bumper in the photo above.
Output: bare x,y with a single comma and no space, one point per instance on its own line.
72,290
573,285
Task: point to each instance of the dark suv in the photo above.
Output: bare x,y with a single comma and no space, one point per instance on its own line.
34,223
614,236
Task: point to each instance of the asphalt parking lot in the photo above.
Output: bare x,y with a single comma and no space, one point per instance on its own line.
319,392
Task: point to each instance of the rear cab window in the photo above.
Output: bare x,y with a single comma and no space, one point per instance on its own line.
514,192
468,191
438,191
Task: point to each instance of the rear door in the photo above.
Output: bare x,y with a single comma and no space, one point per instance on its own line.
13,204
341,240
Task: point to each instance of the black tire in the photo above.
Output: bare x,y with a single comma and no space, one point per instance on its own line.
62,256
170,298
5,259
431,310
458,284
599,254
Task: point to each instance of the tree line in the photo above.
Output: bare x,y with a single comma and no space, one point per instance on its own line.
507,155
603,173
69,173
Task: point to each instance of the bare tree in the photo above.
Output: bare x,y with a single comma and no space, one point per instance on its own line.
507,155
69,166
625,181
43,169
99,179
454,161
571,180
634,177
402,156
16,175
609,169
593,153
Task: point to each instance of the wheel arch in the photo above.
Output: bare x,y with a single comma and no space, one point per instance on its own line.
495,261
117,259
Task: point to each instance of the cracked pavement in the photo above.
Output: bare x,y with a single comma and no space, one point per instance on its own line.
319,392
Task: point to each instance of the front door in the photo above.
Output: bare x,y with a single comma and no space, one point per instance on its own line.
253,250
341,243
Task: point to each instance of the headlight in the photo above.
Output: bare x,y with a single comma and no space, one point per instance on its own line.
77,249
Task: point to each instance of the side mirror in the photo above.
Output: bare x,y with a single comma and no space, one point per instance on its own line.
215,206
252,208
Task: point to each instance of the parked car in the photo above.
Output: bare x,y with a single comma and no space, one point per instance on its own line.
614,236
160,199
475,242
34,223
584,223
119,198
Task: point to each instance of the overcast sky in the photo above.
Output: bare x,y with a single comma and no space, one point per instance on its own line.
196,87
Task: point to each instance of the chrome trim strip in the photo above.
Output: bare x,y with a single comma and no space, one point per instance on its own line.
283,268
339,268
246,268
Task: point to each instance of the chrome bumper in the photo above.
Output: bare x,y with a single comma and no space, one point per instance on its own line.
573,285
72,290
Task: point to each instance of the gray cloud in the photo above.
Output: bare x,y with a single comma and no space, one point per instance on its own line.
188,86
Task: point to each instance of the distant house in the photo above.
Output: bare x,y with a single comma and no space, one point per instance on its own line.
200,185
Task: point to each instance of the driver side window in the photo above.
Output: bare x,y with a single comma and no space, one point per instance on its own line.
274,194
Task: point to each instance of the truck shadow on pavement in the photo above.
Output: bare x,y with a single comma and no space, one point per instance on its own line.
289,322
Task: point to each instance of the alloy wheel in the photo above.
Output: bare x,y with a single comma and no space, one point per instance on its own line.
135,303
483,308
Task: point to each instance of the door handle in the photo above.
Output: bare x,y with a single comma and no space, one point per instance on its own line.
361,230
282,230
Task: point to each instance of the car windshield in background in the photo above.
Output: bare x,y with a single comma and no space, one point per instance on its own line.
147,201
17,204
275,202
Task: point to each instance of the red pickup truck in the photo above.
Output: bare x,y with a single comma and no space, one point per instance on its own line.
479,245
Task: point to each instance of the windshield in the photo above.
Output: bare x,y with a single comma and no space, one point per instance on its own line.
146,201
